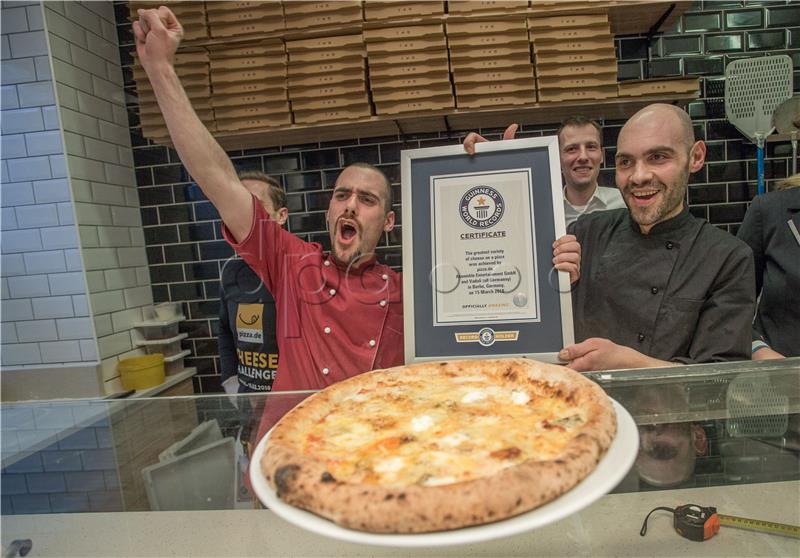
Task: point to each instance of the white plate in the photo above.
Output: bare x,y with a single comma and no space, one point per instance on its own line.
611,469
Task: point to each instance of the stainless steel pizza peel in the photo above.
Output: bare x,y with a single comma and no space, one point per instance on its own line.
754,87
786,120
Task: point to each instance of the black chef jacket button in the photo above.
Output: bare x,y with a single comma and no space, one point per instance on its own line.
654,290
669,245
641,337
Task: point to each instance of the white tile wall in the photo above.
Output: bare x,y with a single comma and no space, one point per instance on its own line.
68,182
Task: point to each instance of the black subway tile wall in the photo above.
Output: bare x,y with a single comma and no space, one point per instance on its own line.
184,244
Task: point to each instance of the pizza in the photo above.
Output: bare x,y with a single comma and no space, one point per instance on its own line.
437,446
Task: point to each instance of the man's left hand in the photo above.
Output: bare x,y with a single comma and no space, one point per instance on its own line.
601,354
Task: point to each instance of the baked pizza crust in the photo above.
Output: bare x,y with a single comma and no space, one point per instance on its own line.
305,482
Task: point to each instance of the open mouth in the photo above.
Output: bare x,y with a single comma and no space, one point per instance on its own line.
347,230
644,195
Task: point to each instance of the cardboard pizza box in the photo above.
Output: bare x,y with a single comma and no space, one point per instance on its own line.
497,88
333,90
252,111
329,103
269,47
459,55
225,6
519,59
320,80
407,45
245,28
585,68
498,74
507,99
402,10
408,58
570,33
277,75
320,56
326,43
456,7
576,81
607,54
658,86
384,73
351,65
332,115
247,87
578,45
273,63
567,20
434,90
255,122
405,32
399,107
294,8
264,10
379,86
485,27
323,19
244,99
588,94
503,40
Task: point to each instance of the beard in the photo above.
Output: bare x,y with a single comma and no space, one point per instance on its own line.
672,196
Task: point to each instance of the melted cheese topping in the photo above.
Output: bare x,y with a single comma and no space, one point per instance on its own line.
408,432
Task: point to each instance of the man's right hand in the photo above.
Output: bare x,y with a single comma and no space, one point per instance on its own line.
158,34
474,137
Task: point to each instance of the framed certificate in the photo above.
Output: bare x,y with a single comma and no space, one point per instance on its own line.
478,279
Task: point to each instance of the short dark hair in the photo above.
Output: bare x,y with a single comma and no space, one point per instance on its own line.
580,121
276,192
387,186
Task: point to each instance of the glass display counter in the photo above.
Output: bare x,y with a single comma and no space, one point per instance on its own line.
716,434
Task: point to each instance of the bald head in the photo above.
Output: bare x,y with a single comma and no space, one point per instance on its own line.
658,115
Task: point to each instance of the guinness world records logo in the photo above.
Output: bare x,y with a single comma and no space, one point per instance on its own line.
482,207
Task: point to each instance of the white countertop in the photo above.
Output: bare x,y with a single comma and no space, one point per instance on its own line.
610,527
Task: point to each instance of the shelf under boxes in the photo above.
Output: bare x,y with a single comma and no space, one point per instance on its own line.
192,16
491,62
250,88
161,336
302,15
327,79
238,19
193,70
575,57
381,10
408,68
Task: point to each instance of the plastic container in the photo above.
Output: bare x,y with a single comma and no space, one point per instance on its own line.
155,329
167,347
141,372
167,310
174,363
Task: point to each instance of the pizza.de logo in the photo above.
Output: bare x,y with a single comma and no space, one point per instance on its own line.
482,207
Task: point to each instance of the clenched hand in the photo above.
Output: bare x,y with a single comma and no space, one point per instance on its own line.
158,34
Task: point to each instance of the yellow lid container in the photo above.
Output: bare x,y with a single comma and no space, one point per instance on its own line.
141,372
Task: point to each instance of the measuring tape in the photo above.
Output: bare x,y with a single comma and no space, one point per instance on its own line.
698,523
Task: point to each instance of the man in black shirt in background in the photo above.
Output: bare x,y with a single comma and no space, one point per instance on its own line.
248,348
657,285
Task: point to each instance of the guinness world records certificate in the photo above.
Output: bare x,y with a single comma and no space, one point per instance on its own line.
477,252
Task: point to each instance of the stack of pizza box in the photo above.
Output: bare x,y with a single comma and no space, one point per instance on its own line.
192,69
575,57
381,10
327,79
249,83
408,68
239,19
491,63
334,13
191,15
